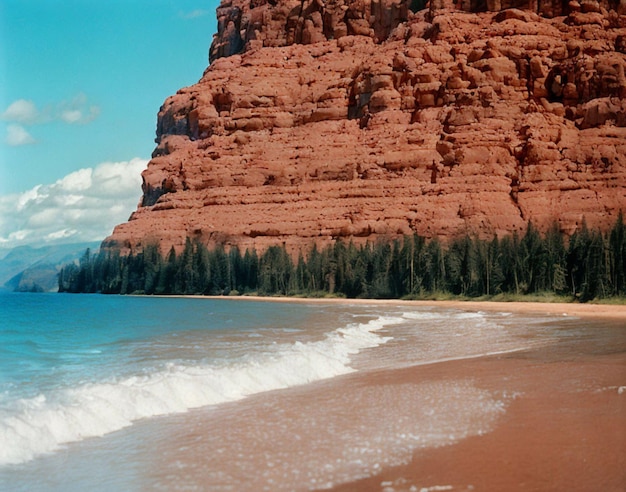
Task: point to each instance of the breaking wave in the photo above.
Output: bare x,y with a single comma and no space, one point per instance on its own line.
33,426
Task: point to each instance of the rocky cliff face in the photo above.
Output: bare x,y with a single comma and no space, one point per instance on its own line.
337,119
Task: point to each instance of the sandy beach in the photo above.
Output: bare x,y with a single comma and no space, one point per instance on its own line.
564,428
559,372
612,311
557,309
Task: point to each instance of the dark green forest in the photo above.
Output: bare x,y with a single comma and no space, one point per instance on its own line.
588,265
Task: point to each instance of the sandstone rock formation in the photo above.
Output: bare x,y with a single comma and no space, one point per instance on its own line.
334,119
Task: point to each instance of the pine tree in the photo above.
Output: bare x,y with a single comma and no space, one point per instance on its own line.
435,267
592,266
459,263
152,265
112,279
397,270
316,275
275,270
167,274
220,271
617,246
184,281
203,278
380,262
577,252
237,274
354,285
555,260
586,264
511,264
488,267
533,266
251,270
67,278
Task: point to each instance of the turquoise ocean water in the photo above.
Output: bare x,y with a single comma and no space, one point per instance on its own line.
139,393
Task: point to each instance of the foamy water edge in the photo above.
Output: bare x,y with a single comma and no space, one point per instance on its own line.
43,424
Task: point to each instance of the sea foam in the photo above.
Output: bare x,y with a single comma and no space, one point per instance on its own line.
34,426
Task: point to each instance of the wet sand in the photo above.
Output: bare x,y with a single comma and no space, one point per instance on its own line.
557,309
564,428
611,311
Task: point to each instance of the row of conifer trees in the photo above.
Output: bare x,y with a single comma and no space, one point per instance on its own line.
589,265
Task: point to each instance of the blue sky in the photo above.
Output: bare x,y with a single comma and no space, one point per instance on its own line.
81,83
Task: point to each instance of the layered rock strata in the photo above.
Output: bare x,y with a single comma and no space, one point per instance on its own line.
361,120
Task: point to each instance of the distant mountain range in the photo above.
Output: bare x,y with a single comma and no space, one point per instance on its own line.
29,269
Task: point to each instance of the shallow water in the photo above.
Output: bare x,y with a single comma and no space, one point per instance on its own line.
107,392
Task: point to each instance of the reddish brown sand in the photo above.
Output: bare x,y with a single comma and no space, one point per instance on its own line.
565,429
617,312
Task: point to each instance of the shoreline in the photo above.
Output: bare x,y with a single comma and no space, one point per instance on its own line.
563,429
609,311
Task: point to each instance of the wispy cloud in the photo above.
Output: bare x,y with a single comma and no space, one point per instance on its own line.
83,206
22,111
77,110
194,14
17,135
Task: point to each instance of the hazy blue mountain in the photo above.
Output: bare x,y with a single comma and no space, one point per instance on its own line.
35,269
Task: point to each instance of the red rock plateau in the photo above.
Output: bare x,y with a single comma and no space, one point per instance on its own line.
359,119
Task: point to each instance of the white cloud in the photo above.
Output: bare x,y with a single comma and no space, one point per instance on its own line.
77,110
71,115
194,14
22,111
83,206
77,181
17,135
62,234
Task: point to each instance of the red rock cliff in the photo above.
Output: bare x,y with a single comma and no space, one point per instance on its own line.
324,120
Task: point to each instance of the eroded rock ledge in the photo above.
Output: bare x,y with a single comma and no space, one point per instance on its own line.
376,120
